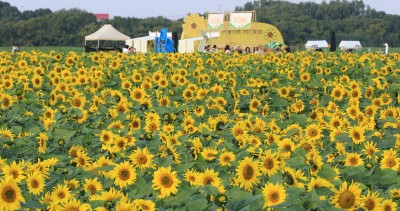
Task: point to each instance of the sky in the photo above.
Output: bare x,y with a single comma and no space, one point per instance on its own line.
172,9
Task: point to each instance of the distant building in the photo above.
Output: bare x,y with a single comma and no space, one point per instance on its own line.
102,16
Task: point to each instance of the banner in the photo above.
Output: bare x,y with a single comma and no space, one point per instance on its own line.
215,21
240,20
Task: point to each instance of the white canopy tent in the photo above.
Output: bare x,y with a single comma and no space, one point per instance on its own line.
315,44
106,32
140,43
188,45
348,44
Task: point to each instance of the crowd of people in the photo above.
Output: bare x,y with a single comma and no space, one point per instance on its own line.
261,49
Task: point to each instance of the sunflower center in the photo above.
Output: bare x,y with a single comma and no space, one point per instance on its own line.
307,147
138,95
356,135
8,195
248,172
390,162
61,195
71,209
269,163
92,189
142,160
15,174
313,132
208,180
153,127
337,93
274,197
288,148
82,161
77,102
166,181
353,161
135,124
370,204
124,174
346,199
6,102
34,183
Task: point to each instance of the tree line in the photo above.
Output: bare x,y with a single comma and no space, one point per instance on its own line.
350,20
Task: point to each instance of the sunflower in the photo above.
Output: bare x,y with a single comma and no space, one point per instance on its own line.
191,176
318,183
314,132
138,94
372,201
74,204
107,137
142,158
78,101
298,106
347,197
209,177
124,174
152,126
10,193
145,205
337,93
209,153
165,181
6,100
271,137
135,123
269,163
6,133
37,81
254,105
82,159
353,111
164,101
390,160
284,92
188,94
247,173
14,170
356,133
273,194
239,130
353,159
42,142
199,111
389,205
226,158
163,82
305,77
61,193
92,186
287,146
370,149
73,151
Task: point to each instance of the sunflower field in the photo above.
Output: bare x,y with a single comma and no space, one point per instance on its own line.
113,131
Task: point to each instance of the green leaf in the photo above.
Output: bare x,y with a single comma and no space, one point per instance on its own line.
388,176
344,137
353,170
196,202
184,167
242,203
327,172
296,162
33,205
